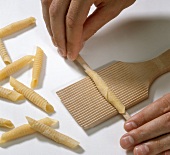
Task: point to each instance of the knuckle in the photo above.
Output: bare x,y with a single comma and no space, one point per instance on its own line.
53,10
72,21
158,144
167,119
165,103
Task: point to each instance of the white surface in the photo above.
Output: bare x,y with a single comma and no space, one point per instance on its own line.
139,33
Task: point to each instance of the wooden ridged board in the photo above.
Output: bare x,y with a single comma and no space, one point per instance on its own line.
129,81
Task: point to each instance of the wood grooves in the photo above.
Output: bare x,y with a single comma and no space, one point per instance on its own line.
129,81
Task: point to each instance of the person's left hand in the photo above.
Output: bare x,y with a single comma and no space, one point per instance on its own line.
149,130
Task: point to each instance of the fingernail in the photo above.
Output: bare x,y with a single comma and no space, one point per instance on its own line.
130,125
69,56
60,52
127,142
167,153
53,40
142,150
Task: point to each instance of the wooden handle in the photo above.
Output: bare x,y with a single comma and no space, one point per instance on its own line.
162,62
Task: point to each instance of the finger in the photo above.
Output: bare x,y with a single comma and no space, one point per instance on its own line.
75,19
58,11
165,153
45,9
102,15
155,128
129,3
152,111
154,147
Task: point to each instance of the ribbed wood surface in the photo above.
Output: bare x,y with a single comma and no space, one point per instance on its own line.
129,81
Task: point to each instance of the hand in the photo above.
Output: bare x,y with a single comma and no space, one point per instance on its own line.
68,23
149,130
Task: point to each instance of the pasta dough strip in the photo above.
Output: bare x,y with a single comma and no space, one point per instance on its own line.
31,95
4,53
104,89
38,60
6,123
16,26
15,66
24,130
10,94
52,134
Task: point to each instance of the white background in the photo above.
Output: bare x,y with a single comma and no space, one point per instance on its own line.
140,33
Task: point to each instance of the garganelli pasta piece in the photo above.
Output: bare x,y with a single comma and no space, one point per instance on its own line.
105,91
16,26
15,66
4,53
10,94
6,123
24,130
52,134
38,60
31,95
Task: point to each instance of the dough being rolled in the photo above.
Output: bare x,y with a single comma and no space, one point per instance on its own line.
105,91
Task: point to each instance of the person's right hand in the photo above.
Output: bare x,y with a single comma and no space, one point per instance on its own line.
68,23
148,132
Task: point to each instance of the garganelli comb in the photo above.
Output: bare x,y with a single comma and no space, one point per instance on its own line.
130,83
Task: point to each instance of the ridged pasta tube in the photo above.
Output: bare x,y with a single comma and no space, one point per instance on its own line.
38,61
16,26
31,95
15,66
6,123
10,94
4,54
24,130
52,134
105,91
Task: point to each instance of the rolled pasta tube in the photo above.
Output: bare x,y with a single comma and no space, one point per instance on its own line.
52,134
105,91
10,94
37,65
15,66
6,123
16,26
31,95
4,54
24,130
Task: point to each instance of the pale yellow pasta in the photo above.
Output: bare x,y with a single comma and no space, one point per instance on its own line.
15,66
38,60
10,94
105,91
6,123
4,53
52,134
31,95
16,26
24,130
